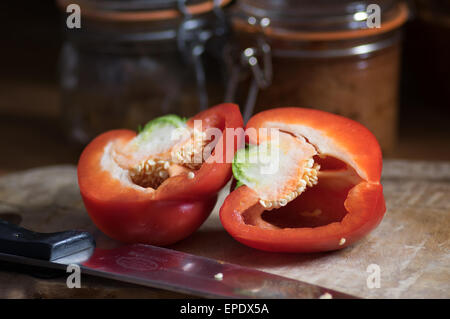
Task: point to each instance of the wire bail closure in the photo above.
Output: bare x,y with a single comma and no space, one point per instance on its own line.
191,43
261,72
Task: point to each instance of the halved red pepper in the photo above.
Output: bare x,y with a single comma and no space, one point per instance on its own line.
159,215
341,206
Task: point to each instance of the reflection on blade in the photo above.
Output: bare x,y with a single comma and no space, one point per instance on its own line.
172,270
76,258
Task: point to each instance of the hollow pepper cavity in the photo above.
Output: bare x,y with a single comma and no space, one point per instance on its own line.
315,187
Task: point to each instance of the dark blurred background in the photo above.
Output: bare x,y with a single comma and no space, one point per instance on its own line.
31,132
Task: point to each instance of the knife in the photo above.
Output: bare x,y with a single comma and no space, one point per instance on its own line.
149,266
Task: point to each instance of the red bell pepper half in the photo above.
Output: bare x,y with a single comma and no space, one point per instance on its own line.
325,193
151,187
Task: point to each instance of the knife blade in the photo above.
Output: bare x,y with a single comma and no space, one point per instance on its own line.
150,266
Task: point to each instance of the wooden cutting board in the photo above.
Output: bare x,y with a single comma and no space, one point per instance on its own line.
410,248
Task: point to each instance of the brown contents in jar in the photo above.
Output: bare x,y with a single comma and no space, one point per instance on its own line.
323,57
363,88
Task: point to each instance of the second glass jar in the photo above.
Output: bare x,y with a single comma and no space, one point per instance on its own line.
325,57
133,61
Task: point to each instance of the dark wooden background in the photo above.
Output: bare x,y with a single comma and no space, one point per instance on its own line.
30,131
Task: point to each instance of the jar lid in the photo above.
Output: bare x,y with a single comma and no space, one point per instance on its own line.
141,10
109,24
317,20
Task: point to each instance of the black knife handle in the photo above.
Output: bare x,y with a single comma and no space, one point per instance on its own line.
15,240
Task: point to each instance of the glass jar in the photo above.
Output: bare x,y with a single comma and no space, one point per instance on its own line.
132,61
321,54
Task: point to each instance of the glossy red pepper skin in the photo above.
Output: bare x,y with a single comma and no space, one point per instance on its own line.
177,207
352,211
